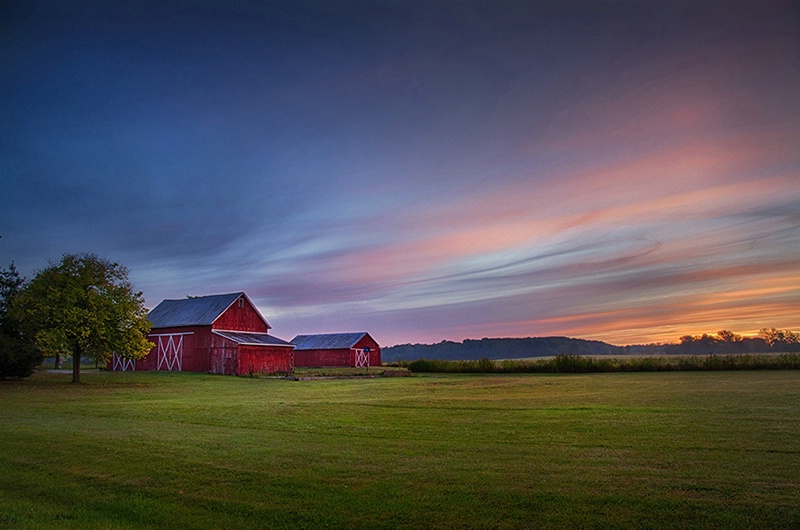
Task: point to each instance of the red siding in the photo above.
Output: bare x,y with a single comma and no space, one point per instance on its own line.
223,356
264,359
204,351
229,358
323,358
244,318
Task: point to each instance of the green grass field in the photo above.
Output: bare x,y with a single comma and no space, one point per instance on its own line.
626,450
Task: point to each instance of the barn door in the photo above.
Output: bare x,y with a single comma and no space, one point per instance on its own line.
223,361
362,357
229,362
217,363
170,352
120,365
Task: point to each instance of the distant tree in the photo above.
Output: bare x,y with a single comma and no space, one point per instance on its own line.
18,358
730,342
84,306
726,335
779,339
697,344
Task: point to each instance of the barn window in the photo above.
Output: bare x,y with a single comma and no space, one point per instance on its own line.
241,302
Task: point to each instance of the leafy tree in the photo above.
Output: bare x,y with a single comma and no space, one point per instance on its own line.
84,306
10,284
18,358
727,335
779,339
697,344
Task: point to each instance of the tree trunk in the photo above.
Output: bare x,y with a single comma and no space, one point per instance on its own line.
76,365
58,361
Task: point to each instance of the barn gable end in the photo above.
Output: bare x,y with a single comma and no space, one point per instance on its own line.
222,311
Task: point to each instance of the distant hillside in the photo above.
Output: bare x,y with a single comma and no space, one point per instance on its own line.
498,349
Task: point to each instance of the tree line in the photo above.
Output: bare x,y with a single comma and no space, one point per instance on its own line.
726,342
723,342
83,307
507,348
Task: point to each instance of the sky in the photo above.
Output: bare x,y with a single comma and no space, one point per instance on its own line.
624,171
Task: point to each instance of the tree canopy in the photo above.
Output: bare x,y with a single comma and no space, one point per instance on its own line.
779,338
18,358
83,306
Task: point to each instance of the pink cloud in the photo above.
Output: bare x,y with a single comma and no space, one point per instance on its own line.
638,211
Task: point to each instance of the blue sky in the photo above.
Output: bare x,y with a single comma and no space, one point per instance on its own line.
623,171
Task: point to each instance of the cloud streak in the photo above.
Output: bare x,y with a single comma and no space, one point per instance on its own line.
423,171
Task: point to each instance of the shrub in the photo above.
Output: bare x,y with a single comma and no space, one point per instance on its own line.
427,365
485,366
567,363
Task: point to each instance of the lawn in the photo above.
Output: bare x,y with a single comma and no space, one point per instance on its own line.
172,450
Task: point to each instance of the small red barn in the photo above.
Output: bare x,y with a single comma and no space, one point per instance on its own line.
221,334
336,349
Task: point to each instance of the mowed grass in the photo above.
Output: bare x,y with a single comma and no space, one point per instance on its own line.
626,450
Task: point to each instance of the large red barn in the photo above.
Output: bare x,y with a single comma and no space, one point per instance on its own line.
336,349
221,334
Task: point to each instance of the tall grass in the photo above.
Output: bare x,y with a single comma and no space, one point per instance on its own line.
566,363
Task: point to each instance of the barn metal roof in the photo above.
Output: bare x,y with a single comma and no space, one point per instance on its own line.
248,338
329,341
195,311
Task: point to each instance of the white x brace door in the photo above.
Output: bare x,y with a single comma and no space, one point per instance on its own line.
362,357
170,352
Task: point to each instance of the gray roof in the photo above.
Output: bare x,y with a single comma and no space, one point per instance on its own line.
197,311
329,341
249,338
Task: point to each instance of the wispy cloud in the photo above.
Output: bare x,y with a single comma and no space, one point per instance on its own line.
626,173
